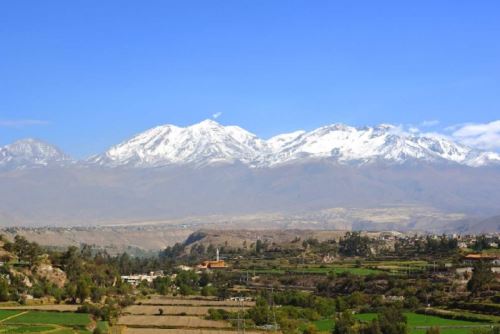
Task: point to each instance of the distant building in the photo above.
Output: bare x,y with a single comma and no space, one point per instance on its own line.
472,258
217,264
136,279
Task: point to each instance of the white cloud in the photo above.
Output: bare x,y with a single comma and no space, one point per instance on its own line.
217,115
19,123
429,123
484,136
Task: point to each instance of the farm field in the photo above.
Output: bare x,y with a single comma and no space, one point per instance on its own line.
319,270
178,331
169,321
414,320
160,300
179,314
33,321
54,307
363,269
174,310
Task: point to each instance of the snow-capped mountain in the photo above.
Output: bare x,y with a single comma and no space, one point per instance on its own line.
209,142
31,153
369,144
204,143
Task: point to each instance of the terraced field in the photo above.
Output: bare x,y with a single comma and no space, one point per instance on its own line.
179,315
174,301
174,310
169,321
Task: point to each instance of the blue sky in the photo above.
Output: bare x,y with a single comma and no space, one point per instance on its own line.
87,74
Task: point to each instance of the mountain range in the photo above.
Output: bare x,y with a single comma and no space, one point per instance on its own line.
209,142
189,175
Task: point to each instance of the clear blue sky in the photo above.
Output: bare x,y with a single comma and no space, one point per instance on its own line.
87,74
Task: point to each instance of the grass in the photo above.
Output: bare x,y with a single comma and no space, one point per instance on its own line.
4,314
319,270
25,328
103,325
414,320
56,318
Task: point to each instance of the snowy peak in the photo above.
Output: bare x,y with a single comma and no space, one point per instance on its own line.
388,143
207,142
31,153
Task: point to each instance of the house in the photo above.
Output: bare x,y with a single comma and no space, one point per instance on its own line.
470,259
210,264
137,279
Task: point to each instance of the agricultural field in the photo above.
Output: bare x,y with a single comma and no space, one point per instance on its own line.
363,268
210,302
178,331
174,310
170,321
319,270
54,307
416,323
32,321
185,314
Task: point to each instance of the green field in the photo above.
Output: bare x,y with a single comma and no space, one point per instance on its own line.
25,328
414,320
39,321
4,314
56,318
362,269
319,270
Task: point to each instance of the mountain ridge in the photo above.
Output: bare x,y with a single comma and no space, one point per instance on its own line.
209,142
30,152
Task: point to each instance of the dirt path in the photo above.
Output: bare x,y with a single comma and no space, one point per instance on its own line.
13,316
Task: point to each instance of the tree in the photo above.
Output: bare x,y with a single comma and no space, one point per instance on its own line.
70,292
345,324
204,279
353,244
258,246
260,313
4,290
392,321
482,276
310,329
82,289
160,311
481,243
162,285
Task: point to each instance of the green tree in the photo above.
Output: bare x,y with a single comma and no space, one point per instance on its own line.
4,290
310,329
260,313
392,321
162,285
345,324
482,277
83,289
